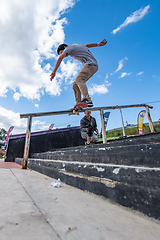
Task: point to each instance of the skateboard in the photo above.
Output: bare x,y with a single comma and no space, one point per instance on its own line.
78,107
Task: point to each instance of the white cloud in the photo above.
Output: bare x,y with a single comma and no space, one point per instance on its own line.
134,17
140,73
121,62
36,105
99,76
100,89
54,87
10,118
30,33
124,74
108,84
69,70
16,96
38,125
107,76
120,66
47,68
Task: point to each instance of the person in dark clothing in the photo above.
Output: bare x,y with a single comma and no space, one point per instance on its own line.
89,129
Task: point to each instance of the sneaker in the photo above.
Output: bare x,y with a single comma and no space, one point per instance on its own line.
87,143
90,104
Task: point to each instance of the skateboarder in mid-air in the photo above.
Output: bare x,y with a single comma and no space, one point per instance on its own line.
89,68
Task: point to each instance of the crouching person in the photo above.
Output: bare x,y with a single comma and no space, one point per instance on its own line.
89,129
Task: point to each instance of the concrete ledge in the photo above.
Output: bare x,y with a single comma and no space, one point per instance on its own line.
43,141
133,155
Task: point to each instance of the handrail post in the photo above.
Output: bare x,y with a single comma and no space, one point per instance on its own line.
149,119
103,127
27,143
122,123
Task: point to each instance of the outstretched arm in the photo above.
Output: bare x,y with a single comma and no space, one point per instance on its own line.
102,43
53,74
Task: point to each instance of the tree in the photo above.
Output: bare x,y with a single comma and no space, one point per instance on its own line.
3,134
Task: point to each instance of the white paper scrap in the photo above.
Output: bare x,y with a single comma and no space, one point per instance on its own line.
56,184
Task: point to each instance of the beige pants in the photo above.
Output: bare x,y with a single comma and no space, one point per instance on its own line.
79,85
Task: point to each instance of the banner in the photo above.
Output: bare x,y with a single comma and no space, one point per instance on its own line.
105,117
141,116
9,131
51,126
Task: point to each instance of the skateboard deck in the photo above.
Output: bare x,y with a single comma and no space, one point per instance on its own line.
78,107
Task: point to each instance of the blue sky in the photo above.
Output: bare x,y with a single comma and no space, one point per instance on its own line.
128,65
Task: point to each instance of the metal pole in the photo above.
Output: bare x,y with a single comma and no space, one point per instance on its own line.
150,120
122,123
6,150
103,127
27,143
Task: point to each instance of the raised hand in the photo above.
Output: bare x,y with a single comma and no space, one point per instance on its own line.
103,42
52,75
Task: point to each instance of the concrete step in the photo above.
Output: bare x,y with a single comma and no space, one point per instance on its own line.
123,141
136,140
147,155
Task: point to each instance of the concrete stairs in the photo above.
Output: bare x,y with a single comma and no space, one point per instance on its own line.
126,171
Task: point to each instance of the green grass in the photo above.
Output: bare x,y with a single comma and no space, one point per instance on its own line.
132,131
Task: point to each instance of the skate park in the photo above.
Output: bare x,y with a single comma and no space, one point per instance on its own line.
58,181
123,173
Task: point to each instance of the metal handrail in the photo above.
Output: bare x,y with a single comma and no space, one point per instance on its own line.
40,114
101,109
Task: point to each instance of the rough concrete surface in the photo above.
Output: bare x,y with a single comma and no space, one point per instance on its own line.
30,208
130,186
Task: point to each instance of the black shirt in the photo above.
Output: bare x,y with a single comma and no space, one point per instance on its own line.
85,122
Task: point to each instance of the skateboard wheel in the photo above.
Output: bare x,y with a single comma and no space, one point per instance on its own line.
69,114
78,113
74,111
